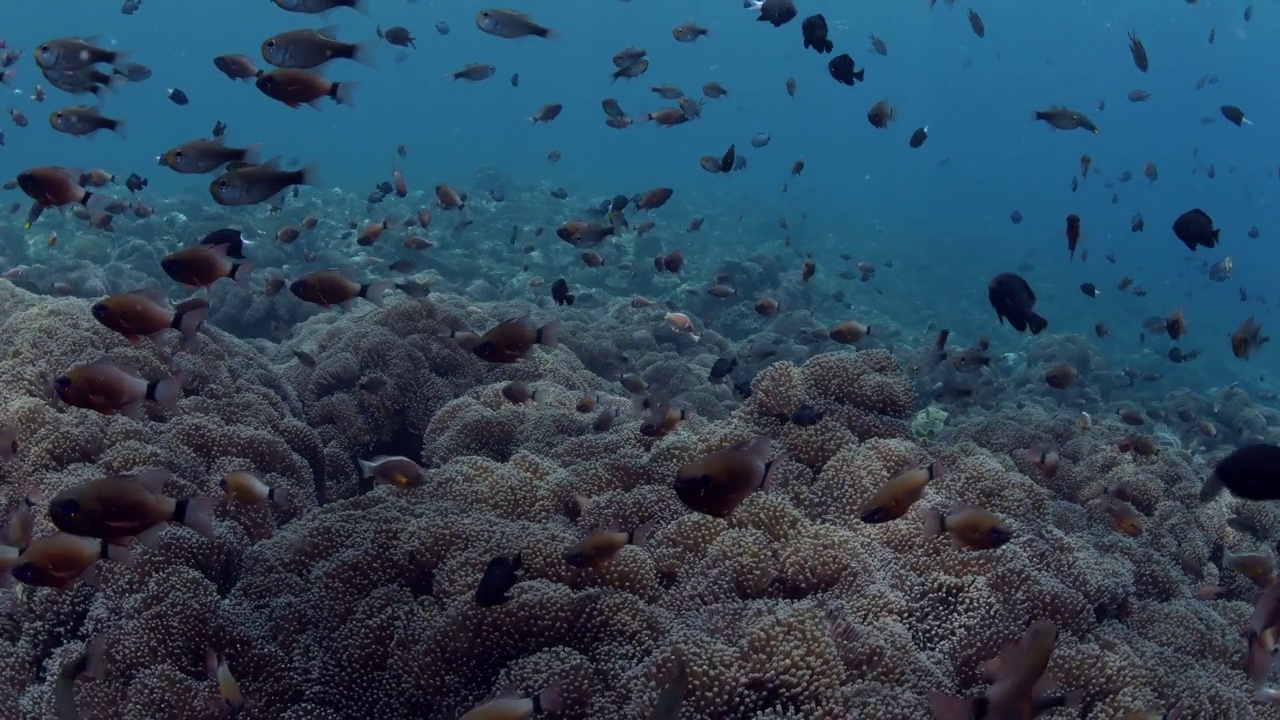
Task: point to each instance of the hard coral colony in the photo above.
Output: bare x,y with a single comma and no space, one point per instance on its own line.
423,483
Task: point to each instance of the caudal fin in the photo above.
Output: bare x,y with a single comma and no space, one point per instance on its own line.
167,392
549,334
197,514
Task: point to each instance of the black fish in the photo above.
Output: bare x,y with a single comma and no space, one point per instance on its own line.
499,577
1251,473
777,12
919,136
841,68
1195,228
219,129
135,182
560,292
619,203
806,415
234,241
721,368
1015,217
814,29
1013,300
177,96
1089,289
1234,114
728,159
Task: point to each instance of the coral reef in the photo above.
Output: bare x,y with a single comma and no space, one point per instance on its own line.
355,601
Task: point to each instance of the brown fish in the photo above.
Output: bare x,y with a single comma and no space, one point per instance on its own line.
393,469
512,339
968,526
296,88
1061,376
57,560
58,187
1015,679
849,332
1247,338
118,507
655,198
1139,52
449,199
597,549
327,288
253,184
546,113
106,388
135,314
718,483
249,489
204,265
80,121
896,496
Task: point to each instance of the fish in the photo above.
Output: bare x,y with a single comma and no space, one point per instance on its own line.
896,496
1247,338
1073,234
398,35
307,49
721,369
237,67
878,45
511,707
296,88
968,526
319,7
58,560
1250,473
216,668
1015,679
59,187
253,184
849,332
814,31
597,549
841,68
393,469
119,507
718,483
248,488
511,25
80,121
104,387
1062,118
498,579
546,113
1090,289
88,662
177,96
202,156
1195,229
1235,115
1061,377
73,54
230,238
204,265
978,27
137,314
774,12
560,292
880,114
1139,52
1258,567
513,339
327,288
1013,300
918,137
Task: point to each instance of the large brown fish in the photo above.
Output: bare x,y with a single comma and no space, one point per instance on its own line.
106,388
327,288
135,314
118,507
718,483
204,265
511,340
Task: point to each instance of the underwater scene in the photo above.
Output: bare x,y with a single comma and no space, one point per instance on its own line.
639,359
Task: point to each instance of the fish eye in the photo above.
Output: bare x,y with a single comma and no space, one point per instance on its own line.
271,43
63,382
24,572
177,153
223,184
99,310
66,508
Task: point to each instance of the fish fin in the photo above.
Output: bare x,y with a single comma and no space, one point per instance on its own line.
133,411
118,126
240,272
364,53
639,535
550,700
197,514
951,707
153,480
343,92
189,315
278,495
374,291
150,538
770,473
167,392
549,334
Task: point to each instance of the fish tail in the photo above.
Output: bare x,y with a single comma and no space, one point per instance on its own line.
189,315
240,272
117,127
197,514
549,334
167,392
935,523
374,291
343,92
363,53
549,700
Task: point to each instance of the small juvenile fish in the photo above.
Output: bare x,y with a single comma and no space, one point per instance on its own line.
135,315
228,688
476,72
236,67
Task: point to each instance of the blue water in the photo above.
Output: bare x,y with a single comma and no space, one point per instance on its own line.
864,192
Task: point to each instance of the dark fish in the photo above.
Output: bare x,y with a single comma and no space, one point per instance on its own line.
1063,118
918,137
722,368
499,577
775,12
560,292
842,69
1250,473
1089,289
1013,300
1195,229
1235,115
442,27
814,30
1138,51
1015,217
975,23
177,96
1137,224
806,415
1073,234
